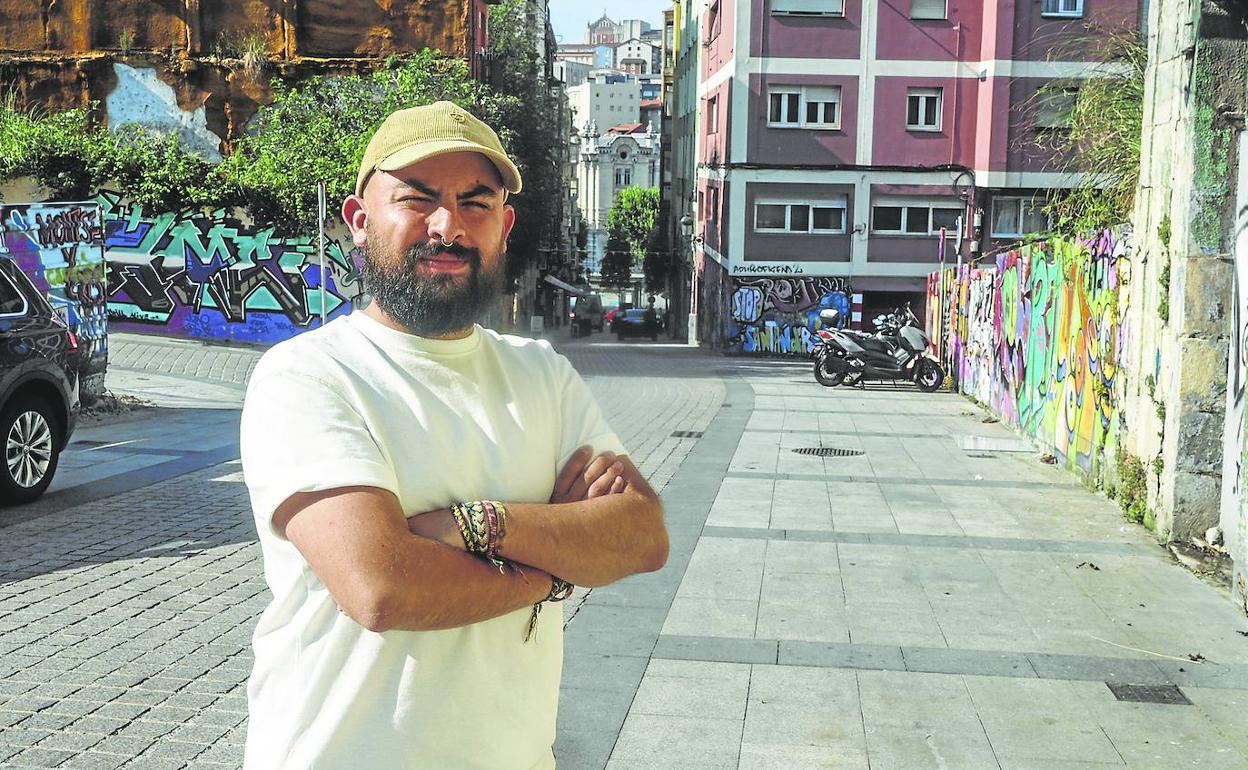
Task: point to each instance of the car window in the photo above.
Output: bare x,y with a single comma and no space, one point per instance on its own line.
11,300
634,314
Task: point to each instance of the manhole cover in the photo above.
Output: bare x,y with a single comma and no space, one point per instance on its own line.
1149,693
686,434
827,451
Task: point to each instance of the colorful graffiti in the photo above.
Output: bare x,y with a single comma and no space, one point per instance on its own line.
1037,340
781,315
61,247
208,275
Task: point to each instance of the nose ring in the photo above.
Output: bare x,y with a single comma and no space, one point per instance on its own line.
447,243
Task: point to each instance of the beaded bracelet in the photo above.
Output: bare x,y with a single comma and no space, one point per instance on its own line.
483,525
560,589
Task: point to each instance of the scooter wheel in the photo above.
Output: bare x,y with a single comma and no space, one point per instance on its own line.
825,376
930,376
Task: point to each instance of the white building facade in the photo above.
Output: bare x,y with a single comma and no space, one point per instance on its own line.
609,162
605,104
638,56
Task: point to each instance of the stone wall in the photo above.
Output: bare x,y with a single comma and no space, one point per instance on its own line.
215,57
1178,335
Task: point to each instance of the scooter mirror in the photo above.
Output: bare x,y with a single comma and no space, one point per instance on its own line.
828,315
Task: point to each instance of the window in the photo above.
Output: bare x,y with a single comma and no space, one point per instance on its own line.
712,22
915,219
928,9
712,115
807,217
823,106
1016,217
712,210
11,300
807,107
807,7
923,109
785,107
1054,106
623,177
1069,8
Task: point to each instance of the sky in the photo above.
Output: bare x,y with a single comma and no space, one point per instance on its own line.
570,17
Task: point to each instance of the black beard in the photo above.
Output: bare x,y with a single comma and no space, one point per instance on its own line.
436,305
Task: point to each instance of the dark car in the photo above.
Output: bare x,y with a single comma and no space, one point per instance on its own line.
636,322
38,386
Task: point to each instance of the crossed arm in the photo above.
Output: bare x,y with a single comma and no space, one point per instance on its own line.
386,572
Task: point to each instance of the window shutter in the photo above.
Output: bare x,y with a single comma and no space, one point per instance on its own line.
808,7
927,9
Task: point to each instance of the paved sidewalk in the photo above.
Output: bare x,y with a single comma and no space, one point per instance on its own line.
938,599
941,600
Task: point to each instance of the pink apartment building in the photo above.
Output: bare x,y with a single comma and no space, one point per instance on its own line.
838,137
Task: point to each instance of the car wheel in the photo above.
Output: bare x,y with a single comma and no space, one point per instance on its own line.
31,453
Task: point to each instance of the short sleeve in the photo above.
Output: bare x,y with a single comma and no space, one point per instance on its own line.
581,419
300,433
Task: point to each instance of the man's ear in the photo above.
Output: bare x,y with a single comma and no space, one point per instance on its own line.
509,221
355,215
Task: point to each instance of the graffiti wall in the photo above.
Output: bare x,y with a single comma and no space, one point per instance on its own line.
1036,339
61,247
781,315
209,275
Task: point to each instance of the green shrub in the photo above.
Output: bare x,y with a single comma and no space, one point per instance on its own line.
1132,488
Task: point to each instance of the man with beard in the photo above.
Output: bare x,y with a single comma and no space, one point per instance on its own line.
423,487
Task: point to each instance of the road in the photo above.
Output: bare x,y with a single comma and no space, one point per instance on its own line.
935,597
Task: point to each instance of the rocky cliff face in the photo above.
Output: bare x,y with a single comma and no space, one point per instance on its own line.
61,53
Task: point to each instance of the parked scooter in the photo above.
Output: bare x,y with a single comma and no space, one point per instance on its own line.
896,352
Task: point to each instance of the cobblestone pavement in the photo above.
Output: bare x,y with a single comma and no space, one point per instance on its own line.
125,621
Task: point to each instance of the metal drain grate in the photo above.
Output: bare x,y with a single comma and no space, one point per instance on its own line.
1149,693
827,451
686,434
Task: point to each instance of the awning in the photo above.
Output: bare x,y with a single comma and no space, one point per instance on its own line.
569,288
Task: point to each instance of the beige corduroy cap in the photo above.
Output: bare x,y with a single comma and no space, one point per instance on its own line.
414,134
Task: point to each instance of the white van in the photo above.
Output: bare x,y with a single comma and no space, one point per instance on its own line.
587,314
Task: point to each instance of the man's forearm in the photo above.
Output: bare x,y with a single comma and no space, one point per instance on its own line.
590,534
450,589
589,543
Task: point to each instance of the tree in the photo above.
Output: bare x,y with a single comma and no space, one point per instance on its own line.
634,215
658,257
319,128
617,266
534,119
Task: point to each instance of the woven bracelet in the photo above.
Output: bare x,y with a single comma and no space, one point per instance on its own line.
483,525
559,590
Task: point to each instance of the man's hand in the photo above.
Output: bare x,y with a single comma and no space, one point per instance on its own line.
586,477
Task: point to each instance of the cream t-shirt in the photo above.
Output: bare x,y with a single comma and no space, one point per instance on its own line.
435,422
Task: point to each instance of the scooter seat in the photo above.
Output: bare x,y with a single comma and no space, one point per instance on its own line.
873,343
